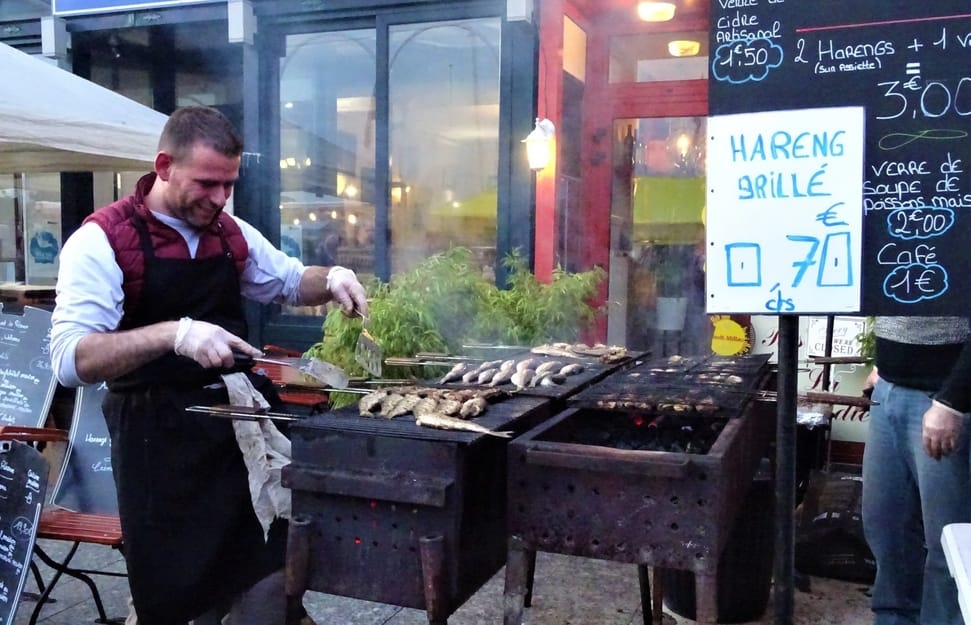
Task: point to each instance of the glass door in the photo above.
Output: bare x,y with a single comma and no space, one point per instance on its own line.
658,236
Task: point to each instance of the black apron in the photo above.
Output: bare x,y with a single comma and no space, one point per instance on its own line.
191,538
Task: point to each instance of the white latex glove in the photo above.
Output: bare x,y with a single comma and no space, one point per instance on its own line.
347,291
208,344
942,429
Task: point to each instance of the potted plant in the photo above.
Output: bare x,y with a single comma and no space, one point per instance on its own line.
670,279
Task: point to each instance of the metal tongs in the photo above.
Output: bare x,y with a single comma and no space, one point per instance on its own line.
324,372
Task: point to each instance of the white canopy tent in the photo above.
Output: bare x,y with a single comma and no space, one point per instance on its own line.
52,121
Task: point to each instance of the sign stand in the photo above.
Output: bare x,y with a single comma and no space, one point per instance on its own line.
785,468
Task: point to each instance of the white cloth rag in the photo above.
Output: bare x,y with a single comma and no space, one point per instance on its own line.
265,451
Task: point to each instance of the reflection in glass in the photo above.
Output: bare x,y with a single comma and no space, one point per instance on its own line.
327,125
654,57
444,134
658,236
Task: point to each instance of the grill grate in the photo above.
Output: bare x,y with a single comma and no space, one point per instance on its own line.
680,387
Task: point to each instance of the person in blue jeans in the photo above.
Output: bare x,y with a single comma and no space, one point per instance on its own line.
916,476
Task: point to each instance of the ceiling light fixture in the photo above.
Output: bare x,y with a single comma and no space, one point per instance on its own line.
655,11
684,47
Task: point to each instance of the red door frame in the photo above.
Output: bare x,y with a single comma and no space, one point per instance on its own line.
603,103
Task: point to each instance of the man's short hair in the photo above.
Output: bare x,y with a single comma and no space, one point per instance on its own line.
192,125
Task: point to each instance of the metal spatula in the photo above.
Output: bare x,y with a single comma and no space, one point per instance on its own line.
324,372
368,353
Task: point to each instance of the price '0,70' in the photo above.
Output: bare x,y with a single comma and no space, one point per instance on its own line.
831,256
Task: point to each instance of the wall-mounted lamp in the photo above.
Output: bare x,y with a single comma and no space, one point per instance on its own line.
655,11
538,143
684,47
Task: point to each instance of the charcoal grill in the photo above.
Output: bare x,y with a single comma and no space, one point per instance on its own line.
575,490
387,511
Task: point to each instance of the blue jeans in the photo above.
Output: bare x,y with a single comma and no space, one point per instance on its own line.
908,498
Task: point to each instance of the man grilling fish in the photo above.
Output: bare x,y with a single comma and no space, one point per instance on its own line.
150,298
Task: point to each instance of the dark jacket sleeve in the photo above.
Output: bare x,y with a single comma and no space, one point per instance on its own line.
956,390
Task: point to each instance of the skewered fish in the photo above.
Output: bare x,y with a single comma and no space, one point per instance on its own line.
426,406
549,367
521,379
554,349
370,401
470,376
487,375
449,407
444,422
404,405
572,369
552,379
528,363
473,407
502,376
388,404
489,364
507,364
455,373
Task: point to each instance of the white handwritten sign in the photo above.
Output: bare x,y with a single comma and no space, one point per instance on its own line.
784,214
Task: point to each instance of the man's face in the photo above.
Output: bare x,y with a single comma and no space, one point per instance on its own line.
199,185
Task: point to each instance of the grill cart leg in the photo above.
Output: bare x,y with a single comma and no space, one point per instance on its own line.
706,599
530,574
644,584
651,606
657,598
517,579
297,567
432,551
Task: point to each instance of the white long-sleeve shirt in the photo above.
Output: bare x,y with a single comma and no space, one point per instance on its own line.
89,291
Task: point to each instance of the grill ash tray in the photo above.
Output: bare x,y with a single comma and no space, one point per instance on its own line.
385,510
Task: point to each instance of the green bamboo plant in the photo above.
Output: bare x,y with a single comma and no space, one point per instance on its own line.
445,303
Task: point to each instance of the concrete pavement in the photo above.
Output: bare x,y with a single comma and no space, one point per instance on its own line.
567,591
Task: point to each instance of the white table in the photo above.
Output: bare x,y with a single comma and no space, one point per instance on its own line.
956,539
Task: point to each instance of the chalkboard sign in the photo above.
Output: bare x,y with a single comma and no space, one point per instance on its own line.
909,65
86,482
23,482
26,376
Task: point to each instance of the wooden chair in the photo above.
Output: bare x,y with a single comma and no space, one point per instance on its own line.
73,527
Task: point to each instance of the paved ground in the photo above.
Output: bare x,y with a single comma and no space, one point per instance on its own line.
567,591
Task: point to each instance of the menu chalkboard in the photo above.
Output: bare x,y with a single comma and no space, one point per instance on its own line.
23,482
907,64
26,377
86,482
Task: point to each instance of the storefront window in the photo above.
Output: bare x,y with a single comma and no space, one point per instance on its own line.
30,228
327,147
653,57
444,133
442,128
658,236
